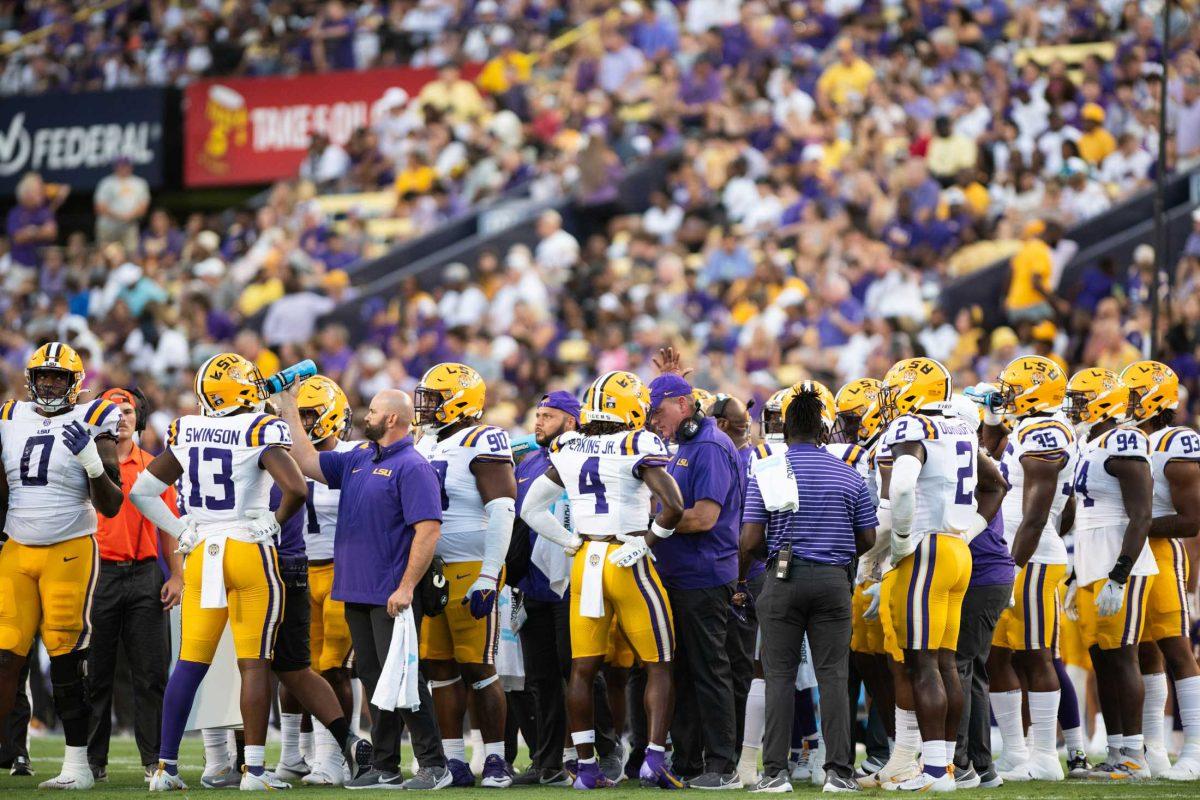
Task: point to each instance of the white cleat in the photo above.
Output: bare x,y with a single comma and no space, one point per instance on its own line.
1039,767
924,782
1187,768
816,763
163,781
1135,764
293,772
748,773
267,782
325,775
1159,761
70,780
1009,760
803,769
893,774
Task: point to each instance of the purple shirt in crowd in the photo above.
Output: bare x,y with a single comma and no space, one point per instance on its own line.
706,467
20,217
991,562
385,492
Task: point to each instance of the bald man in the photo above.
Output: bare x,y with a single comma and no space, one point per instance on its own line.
733,417
389,521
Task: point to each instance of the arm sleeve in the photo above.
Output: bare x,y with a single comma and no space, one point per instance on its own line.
903,493
420,493
535,511
147,495
501,513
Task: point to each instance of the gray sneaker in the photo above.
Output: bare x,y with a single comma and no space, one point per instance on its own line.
429,779
229,779
967,778
837,783
774,784
376,779
989,778
612,766
715,781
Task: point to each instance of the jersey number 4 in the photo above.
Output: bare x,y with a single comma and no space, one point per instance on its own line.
590,483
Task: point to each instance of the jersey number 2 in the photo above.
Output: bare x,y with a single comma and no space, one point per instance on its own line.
590,483
40,475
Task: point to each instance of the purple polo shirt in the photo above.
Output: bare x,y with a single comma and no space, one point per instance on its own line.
757,566
706,468
21,217
290,543
991,562
535,584
383,495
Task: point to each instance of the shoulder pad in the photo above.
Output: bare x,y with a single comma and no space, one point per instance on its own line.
910,428
1043,436
1183,443
173,433
489,442
7,410
1124,442
268,429
102,414
645,443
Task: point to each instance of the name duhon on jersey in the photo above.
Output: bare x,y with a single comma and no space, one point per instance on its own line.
603,479
48,500
223,477
946,486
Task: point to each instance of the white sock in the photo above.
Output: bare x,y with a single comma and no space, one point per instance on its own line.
326,751
306,745
455,749
75,757
1073,737
583,737
933,753
570,754
1134,743
949,751
908,734
1043,722
1187,694
1153,710
289,731
1115,742
756,708
493,749
256,755
1006,706
216,750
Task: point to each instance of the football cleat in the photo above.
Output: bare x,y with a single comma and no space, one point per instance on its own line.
656,772
1187,768
325,775
295,771
589,776
1158,761
70,779
496,773
266,782
163,781
1039,767
1077,765
924,782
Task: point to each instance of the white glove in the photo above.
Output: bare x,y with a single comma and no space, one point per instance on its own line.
1110,598
572,545
1012,597
263,525
633,550
872,591
1070,607
868,566
189,538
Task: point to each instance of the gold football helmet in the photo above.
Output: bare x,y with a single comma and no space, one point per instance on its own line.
1153,388
1031,384
448,393
703,397
1094,395
324,409
227,382
857,406
617,397
913,384
54,359
772,416
828,405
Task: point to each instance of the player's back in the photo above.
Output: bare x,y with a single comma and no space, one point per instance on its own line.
48,499
852,454
1173,443
945,492
1050,439
464,524
223,478
1098,499
603,478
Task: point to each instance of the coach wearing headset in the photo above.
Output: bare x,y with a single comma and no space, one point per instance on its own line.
699,567
130,600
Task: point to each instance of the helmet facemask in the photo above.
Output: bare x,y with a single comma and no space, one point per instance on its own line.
50,398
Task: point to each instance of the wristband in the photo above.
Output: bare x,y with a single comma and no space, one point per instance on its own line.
660,531
1120,572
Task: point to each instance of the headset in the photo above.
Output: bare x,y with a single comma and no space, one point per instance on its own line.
691,426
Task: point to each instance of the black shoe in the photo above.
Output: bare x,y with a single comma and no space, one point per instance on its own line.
21,768
715,781
358,754
530,777
989,778
99,774
837,783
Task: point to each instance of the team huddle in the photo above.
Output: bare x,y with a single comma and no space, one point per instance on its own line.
1077,492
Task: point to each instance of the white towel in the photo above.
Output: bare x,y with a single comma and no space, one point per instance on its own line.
777,483
397,687
212,575
510,663
554,563
591,594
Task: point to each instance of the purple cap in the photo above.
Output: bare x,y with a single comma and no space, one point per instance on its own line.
664,387
561,401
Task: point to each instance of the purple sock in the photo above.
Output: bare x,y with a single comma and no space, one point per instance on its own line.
1068,703
177,705
806,716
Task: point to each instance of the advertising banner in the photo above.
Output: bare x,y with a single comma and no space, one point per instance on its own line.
75,138
256,130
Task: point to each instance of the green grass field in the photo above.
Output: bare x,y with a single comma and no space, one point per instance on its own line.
125,779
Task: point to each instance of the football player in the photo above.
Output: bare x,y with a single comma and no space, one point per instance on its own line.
610,474
226,458
942,495
1114,566
479,490
1175,461
1038,462
60,468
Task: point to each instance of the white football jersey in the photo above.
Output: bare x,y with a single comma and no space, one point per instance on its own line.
602,476
1167,445
760,451
1049,439
852,454
946,485
1100,517
321,511
223,478
464,523
48,496
880,456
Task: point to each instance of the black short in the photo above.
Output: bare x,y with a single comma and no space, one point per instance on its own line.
292,649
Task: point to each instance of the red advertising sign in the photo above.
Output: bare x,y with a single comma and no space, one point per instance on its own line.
256,130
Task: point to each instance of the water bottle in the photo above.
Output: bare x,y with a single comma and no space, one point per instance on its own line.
289,375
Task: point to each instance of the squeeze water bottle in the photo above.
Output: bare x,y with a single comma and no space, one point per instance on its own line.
289,375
